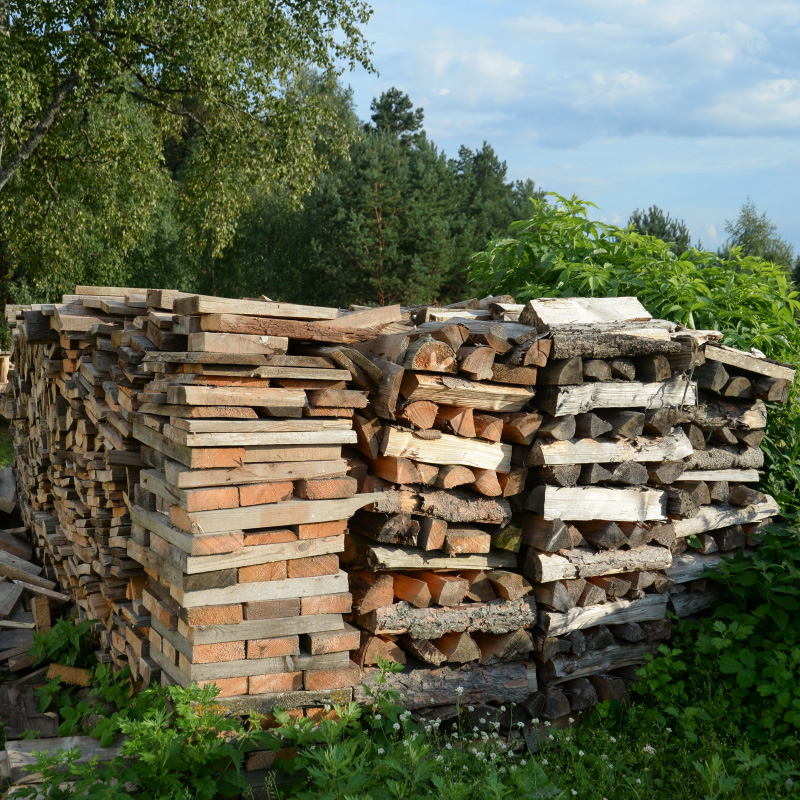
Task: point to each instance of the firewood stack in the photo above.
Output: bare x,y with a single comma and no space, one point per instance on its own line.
242,511
75,457
613,435
517,493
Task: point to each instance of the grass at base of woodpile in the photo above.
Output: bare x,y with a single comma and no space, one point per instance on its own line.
6,445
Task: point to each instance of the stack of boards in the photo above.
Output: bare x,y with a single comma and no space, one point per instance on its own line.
26,594
517,494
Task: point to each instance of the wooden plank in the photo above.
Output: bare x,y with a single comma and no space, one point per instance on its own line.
732,475
712,517
447,450
368,318
265,628
455,391
237,396
259,425
196,458
199,304
192,544
385,557
183,477
272,515
561,400
267,590
672,447
565,668
108,291
748,362
231,439
293,329
598,503
557,623
251,555
550,312
237,343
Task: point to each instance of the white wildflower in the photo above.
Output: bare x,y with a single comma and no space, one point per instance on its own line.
547,723
459,690
648,748
668,730
440,757
545,762
523,762
470,708
581,753
522,724
613,739
381,751
574,792
571,721
502,708
604,757
639,781
483,720
377,717
552,738
396,726
513,767
448,746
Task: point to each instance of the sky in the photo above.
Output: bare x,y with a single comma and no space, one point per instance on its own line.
691,105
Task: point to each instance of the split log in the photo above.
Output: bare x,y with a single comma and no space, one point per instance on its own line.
545,567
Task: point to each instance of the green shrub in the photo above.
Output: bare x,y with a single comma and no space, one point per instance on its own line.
560,252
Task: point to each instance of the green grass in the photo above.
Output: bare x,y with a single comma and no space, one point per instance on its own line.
6,446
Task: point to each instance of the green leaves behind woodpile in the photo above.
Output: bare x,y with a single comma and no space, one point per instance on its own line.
560,252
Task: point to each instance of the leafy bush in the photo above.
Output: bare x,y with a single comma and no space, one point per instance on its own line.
68,642
560,252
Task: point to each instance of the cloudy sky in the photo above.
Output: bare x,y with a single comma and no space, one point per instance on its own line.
689,104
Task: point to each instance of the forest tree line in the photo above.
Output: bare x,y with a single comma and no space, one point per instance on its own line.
185,153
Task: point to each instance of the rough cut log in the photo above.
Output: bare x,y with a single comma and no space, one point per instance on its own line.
488,427
447,450
603,534
589,503
476,362
428,355
508,682
716,458
577,563
548,536
558,428
384,557
623,368
508,585
495,648
452,475
461,392
590,426
562,373
521,428
556,623
458,648
596,344
413,590
629,424
711,518
595,369
673,447
563,668
560,475
456,420
712,376
653,368
578,399
720,413
420,413
370,590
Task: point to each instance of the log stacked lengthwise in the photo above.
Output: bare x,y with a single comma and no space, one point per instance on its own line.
517,493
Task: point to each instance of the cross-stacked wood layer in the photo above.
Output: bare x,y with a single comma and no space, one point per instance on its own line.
245,499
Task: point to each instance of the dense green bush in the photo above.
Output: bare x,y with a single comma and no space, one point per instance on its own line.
560,252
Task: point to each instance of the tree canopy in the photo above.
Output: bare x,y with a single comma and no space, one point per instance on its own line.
95,96
655,222
758,236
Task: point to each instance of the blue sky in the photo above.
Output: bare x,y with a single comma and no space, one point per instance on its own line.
689,104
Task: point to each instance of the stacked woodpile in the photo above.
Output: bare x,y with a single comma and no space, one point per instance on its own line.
76,460
242,511
517,493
